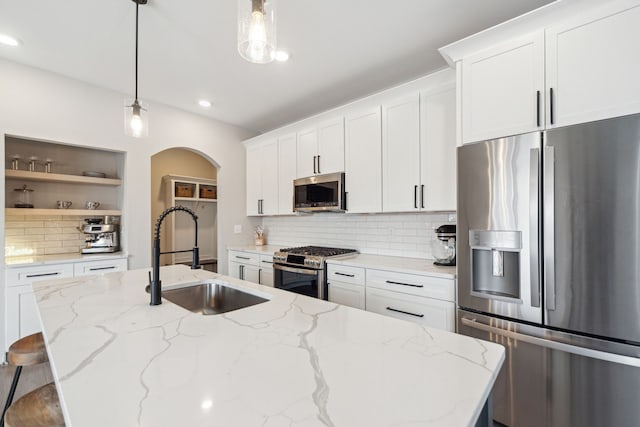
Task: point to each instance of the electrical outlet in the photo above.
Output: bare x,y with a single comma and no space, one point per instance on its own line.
237,229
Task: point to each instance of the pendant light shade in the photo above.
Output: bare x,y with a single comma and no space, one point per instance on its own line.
257,30
136,117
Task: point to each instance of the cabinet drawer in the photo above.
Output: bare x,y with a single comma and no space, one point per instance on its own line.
425,286
24,275
244,257
341,273
266,261
99,267
347,294
425,311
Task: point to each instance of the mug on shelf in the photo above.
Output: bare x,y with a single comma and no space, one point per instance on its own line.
64,204
92,205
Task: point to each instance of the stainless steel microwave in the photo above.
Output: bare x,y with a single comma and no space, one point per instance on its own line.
320,193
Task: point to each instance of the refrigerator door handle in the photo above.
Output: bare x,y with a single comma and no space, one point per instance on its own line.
534,225
553,345
549,224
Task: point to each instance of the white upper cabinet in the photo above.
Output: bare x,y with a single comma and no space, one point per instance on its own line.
320,149
438,149
307,152
582,69
419,152
401,155
262,178
363,161
286,172
331,146
503,89
593,66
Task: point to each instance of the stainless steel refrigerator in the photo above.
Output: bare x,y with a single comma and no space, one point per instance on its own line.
549,267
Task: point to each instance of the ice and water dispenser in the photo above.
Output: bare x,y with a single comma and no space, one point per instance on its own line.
495,263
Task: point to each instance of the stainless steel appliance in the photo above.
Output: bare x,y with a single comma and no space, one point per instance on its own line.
100,237
320,193
303,269
548,254
444,245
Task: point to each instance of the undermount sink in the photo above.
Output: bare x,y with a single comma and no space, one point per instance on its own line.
211,298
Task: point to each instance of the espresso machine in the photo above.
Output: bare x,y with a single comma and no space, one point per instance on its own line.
100,237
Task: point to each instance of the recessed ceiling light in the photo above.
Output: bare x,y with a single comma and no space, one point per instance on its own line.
282,56
8,40
204,103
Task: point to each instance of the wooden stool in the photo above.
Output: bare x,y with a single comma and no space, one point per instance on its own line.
27,351
39,408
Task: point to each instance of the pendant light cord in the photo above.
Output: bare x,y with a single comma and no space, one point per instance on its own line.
137,6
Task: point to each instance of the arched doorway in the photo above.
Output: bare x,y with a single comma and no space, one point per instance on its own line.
181,176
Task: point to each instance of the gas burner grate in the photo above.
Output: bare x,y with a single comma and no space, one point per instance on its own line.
318,251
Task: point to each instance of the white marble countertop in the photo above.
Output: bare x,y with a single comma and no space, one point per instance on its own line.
292,360
25,261
261,250
408,265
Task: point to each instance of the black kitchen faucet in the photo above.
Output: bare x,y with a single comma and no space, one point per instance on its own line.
155,288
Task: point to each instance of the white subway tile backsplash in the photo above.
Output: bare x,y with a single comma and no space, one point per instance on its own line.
43,234
408,234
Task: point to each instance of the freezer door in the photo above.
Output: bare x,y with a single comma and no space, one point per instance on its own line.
555,379
592,228
498,235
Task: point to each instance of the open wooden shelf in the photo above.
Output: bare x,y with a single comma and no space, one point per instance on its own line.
56,177
62,212
194,199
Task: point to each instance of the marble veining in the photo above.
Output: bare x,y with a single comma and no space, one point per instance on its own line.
291,361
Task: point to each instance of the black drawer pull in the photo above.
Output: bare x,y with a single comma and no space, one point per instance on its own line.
345,274
268,262
242,257
405,312
404,284
111,267
43,274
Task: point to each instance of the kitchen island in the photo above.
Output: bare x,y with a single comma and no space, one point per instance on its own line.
292,360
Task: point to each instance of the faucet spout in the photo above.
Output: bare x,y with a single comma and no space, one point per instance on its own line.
155,288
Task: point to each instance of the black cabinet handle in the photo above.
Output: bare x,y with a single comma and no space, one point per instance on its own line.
422,196
404,284
268,262
111,267
241,272
415,196
259,276
43,274
242,257
345,274
314,164
405,312
319,163
538,108
551,107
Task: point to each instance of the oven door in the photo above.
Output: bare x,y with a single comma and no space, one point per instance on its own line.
305,281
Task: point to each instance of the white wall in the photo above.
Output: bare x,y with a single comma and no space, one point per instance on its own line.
43,105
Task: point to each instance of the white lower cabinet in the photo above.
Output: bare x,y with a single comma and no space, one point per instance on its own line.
251,267
426,311
22,313
99,267
346,285
22,316
423,299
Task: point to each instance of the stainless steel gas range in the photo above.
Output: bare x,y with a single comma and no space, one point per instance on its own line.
303,269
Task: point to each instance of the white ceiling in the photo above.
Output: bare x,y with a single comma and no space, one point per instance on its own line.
340,49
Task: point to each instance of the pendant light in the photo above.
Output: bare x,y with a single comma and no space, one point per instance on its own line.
257,30
136,119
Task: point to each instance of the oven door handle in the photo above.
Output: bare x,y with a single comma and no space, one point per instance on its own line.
294,270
